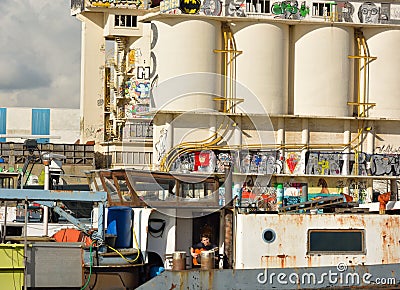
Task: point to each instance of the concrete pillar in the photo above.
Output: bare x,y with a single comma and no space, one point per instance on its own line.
305,139
346,140
237,135
92,78
169,127
370,150
280,136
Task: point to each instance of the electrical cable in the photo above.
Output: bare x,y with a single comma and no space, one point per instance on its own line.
90,266
122,256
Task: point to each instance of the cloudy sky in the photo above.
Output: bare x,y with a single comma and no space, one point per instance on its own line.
40,54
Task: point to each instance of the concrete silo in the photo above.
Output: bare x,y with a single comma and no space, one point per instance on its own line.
263,65
181,47
383,87
323,72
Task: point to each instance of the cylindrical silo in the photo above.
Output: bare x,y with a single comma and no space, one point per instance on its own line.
181,48
323,78
384,81
263,65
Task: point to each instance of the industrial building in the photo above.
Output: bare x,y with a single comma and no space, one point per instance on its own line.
307,90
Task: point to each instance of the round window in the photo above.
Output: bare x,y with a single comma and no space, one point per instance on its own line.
269,235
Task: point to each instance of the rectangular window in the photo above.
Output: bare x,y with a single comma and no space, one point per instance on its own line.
3,123
336,241
41,123
258,6
125,21
321,9
139,130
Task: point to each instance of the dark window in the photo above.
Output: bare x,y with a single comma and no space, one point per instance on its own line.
329,241
258,6
125,21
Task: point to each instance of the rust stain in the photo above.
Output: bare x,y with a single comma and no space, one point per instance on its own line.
173,286
388,251
309,261
210,279
283,260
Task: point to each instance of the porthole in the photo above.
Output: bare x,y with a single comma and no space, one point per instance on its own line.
269,235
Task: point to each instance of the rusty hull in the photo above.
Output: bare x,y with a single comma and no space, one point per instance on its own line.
290,247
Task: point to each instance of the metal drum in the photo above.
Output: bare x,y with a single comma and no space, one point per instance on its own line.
178,261
207,260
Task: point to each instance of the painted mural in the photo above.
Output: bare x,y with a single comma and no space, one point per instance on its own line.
133,4
138,92
290,10
334,11
271,162
313,163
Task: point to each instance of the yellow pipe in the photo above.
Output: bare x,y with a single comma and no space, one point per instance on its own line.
163,160
176,154
359,72
177,151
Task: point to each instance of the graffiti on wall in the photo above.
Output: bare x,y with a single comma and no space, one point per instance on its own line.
139,94
368,12
345,11
323,163
266,162
136,4
290,10
340,11
94,132
190,6
315,163
235,8
293,162
260,162
161,145
138,91
143,72
383,164
170,7
387,149
211,7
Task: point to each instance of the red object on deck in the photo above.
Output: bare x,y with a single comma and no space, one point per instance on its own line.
71,235
383,200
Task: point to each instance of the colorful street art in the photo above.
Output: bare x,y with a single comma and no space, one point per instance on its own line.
316,163
339,11
235,8
292,161
290,10
211,8
118,3
345,11
139,95
138,91
190,6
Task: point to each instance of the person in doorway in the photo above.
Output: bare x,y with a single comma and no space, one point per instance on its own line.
204,245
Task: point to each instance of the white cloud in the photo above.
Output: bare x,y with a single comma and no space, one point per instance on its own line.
40,54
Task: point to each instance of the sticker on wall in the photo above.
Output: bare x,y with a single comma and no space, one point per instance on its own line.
211,7
292,161
190,6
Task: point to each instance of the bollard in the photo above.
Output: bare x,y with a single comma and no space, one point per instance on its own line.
178,261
